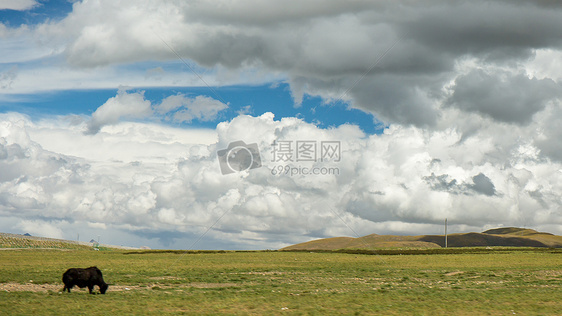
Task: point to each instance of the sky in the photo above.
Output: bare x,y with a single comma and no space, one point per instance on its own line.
253,124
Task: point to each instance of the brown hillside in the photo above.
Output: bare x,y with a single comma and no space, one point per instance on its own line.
482,240
513,231
365,242
335,243
548,239
506,237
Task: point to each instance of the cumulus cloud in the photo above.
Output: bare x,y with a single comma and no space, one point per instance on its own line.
469,93
181,108
548,135
394,59
178,108
404,180
123,106
323,48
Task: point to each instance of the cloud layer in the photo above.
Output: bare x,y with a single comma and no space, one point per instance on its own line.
385,183
470,94
400,60
323,48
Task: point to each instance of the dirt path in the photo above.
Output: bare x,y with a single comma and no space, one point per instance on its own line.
31,287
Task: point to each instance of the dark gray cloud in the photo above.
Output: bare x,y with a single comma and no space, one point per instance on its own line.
402,99
484,28
442,183
394,98
393,57
502,96
481,184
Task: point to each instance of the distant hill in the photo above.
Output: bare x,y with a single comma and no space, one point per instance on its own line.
12,241
506,237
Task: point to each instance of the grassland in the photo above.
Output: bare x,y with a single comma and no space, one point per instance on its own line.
507,282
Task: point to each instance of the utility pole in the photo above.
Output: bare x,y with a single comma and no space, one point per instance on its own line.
445,232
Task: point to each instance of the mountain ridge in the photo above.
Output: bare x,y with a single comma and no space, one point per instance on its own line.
503,236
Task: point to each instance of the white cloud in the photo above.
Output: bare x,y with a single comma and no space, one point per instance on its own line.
178,108
126,141
181,108
18,5
50,77
123,106
480,164
546,64
406,180
41,228
309,44
169,216
7,78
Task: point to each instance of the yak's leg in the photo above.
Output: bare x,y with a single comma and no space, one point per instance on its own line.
90,288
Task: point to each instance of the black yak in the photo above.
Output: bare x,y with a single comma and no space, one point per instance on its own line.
84,278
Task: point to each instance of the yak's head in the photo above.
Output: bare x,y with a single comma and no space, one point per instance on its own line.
103,288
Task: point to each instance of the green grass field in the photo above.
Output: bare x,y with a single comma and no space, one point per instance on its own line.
491,283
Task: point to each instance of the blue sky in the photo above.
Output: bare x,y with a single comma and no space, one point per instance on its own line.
442,109
47,10
254,100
